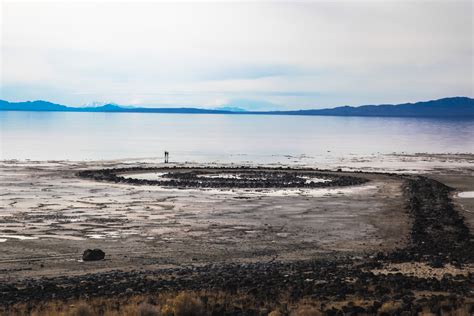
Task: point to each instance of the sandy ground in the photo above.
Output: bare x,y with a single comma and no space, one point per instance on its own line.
48,217
423,270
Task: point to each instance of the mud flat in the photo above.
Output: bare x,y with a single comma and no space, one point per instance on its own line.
49,216
386,238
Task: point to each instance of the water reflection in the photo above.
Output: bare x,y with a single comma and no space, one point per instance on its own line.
79,136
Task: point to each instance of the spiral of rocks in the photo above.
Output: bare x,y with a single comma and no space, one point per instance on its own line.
221,178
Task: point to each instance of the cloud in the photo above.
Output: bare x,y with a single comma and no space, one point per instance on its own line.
304,54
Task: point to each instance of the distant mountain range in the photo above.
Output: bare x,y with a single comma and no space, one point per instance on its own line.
447,108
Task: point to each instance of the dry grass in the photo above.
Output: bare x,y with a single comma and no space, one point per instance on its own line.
390,307
307,311
82,310
146,309
184,304
198,304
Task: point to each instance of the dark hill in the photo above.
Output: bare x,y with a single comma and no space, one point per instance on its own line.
455,107
447,107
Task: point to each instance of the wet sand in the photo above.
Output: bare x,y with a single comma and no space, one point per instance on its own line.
49,216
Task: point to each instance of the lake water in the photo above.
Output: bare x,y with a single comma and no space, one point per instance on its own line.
222,138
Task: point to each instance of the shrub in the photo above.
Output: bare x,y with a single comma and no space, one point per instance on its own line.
184,304
147,310
306,311
82,310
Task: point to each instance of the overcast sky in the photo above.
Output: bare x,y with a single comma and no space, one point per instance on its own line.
298,55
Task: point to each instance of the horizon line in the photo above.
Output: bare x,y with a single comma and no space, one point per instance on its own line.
219,108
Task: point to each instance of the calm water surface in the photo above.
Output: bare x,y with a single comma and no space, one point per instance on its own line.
95,136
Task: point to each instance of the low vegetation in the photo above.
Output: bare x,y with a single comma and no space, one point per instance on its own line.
203,304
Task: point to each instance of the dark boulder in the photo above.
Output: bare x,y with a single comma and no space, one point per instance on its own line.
93,255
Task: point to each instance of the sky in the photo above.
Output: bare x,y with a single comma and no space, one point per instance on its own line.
260,55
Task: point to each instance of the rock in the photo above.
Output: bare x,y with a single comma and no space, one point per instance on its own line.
93,255
436,263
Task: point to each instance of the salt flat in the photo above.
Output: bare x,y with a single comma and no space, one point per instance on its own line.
49,216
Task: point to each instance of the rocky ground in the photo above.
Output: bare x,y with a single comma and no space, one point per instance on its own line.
427,266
